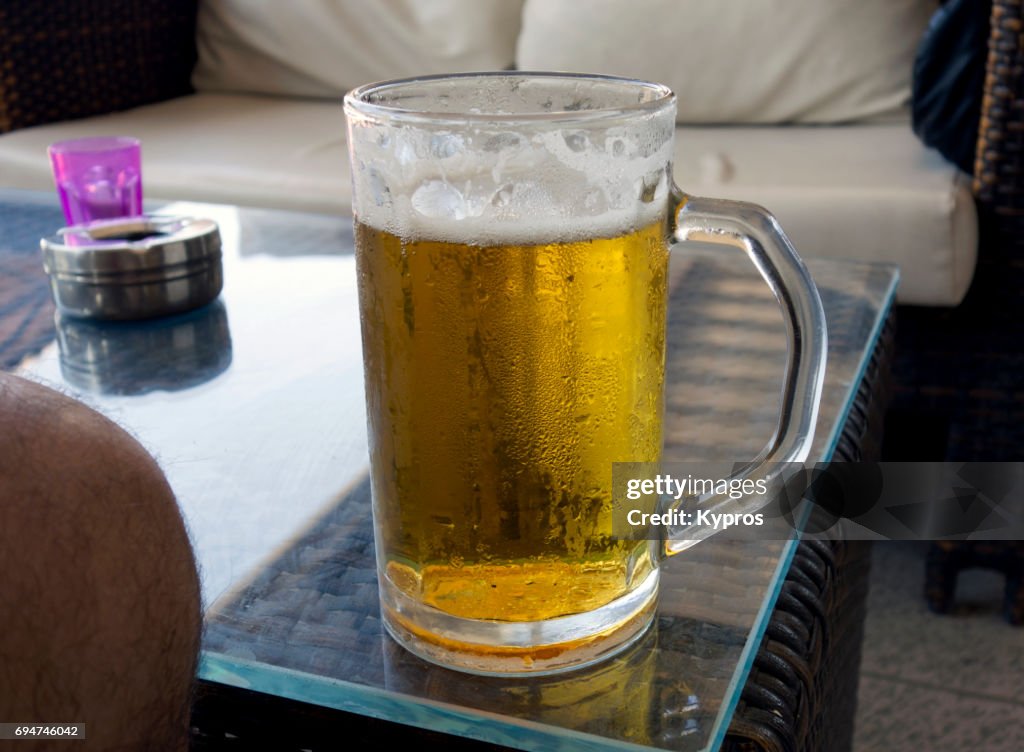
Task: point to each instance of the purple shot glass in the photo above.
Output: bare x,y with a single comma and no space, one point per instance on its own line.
98,178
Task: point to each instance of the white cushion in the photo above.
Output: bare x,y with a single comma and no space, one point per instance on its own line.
740,61
323,48
869,192
226,148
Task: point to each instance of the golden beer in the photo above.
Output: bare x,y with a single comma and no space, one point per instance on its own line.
502,383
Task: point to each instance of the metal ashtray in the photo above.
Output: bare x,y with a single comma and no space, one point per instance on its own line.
134,267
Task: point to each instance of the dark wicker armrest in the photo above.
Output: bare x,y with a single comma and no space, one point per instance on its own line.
999,166
65,59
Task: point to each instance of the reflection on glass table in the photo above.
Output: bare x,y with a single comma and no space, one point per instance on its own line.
133,357
267,454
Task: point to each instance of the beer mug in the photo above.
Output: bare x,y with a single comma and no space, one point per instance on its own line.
513,232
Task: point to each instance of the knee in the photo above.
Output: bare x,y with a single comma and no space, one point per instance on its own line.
99,584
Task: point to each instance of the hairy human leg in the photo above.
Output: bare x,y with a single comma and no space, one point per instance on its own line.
99,597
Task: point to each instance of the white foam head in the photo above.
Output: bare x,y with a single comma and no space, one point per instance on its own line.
487,183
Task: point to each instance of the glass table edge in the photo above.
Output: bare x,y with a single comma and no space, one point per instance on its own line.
869,349
395,707
748,654
220,669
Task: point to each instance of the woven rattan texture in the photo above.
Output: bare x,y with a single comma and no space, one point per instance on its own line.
999,164
65,59
1001,133
802,691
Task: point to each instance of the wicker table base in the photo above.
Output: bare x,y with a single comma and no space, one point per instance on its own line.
802,692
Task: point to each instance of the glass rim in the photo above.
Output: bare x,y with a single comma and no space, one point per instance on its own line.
93,144
357,100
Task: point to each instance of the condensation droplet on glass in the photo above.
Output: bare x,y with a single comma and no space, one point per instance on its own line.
576,141
446,145
379,188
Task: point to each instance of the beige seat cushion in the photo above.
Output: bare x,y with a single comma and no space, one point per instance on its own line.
740,61
225,148
870,192
323,48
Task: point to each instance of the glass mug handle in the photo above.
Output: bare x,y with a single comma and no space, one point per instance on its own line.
756,231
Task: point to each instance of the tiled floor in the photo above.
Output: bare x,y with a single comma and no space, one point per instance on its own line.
937,683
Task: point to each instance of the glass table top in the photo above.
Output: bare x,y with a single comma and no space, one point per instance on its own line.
254,408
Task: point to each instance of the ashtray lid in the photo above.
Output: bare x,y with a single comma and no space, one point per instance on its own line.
129,245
